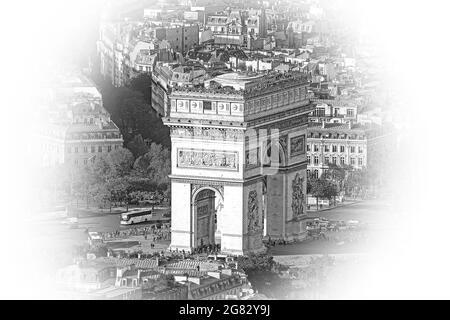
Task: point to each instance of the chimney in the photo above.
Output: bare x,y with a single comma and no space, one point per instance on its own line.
195,280
214,274
323,124
227,272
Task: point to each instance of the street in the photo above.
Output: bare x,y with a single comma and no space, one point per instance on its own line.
54,237
379,217
370,211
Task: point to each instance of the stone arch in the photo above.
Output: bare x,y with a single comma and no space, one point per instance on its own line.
213,188
282,153
207,227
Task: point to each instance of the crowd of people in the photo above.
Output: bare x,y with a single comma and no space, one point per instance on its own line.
152,233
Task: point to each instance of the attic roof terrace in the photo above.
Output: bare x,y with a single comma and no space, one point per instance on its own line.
242,86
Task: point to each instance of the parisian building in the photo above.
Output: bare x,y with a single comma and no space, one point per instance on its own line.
341,144
75,125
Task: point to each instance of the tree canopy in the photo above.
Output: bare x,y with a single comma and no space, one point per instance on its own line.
115,177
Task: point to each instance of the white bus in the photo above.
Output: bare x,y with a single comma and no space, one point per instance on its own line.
136,216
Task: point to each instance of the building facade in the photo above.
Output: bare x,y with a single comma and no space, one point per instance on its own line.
339,144
75,125
238,161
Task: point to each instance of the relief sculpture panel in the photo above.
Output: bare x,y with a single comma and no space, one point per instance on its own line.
298,197
208,159
254,223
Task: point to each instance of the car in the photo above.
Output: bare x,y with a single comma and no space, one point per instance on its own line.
94,238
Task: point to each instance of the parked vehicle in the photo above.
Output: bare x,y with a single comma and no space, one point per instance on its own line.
136,216
94,238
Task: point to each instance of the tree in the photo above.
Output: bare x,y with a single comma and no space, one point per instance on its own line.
317,189
133,115
142,83
322,188
336,173
82,183
138,146
155,164
120,162
109,176
330,190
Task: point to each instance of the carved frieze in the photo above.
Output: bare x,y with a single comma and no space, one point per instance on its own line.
207,133
207,159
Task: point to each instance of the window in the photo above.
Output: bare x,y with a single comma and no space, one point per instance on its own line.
327,148
352,149
316,174
342,160
334,148
360,149
342,148
85,149
327,159
352,161
109,148
85,162
207,105
76,149
92,149
76,162
350,113
336,112
316,160
360,163
116,147
99,148
308,159
334,160
308,147
316,148
320,112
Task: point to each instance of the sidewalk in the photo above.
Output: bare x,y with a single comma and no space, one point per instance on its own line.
138,243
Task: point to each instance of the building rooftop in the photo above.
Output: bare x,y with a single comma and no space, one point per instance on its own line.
245,85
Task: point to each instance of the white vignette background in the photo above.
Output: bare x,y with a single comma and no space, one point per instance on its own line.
412,36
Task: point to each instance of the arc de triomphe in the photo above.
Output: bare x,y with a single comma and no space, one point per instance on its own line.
238,161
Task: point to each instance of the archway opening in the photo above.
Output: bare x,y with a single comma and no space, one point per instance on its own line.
205,204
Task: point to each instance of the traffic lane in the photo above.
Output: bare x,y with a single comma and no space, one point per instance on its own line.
58,233
321,246
371,211
111,222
